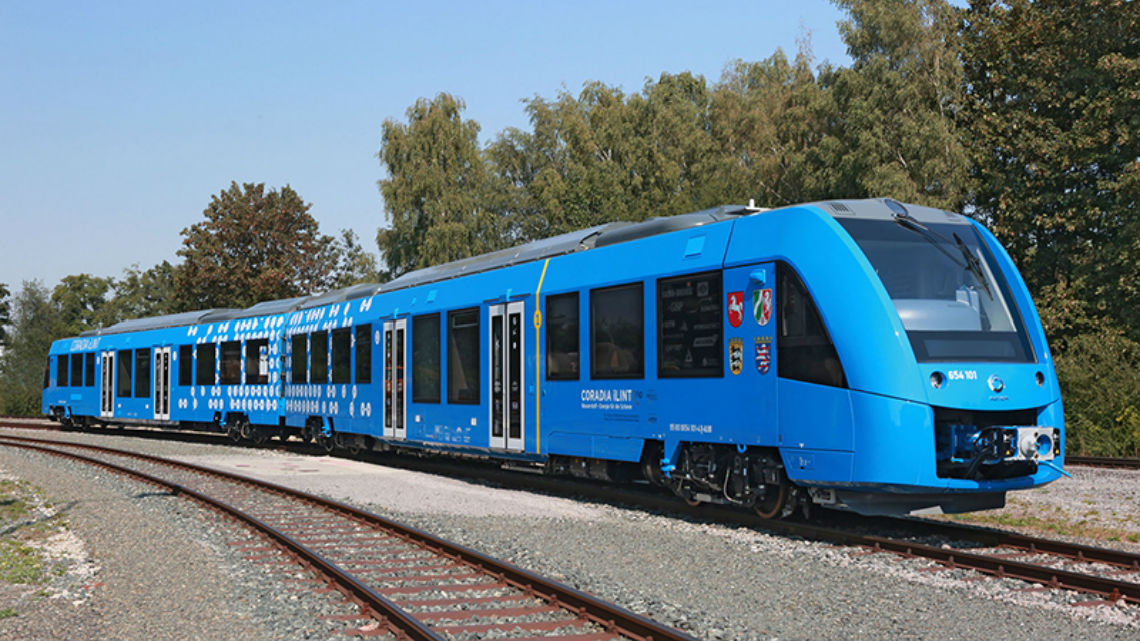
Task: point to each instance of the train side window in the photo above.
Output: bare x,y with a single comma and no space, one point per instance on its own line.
425,358
123,359
257,362
77,370
47,373
319,357
617,332
804,350
563,358
89,369
185,365
298,364
207,357
690,327
142,373
61,371
231,363
364,353
342,355
463,356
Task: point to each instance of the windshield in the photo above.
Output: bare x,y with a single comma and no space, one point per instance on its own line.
950,296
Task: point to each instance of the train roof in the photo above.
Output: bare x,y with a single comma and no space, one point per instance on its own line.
156,322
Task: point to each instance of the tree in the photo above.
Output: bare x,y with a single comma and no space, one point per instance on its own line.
139,294
35,324
354,264
80,303
896,106
253,246
1055,138
438,193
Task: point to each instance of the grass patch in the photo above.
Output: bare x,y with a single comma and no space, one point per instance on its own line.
8,613
1062,526
21,563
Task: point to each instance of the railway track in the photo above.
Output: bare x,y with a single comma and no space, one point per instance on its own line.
407,583
1104,461
1110,575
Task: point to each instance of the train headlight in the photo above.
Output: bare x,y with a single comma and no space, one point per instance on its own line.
1040,379
936,380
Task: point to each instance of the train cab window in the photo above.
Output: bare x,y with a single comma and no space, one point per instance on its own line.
142,373
425,358
690,327
257,362
319,357
89,369
562,351
61,371
231,363
364,353
617,332
77,370
804,350
204,370
185,365
463,356
342,355
123,360
299,359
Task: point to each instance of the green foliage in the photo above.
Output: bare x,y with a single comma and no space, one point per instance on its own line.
1054,112
35,324
81,303
354,264
139,294
438,194
253,246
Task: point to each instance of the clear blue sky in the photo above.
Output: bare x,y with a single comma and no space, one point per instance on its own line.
119,120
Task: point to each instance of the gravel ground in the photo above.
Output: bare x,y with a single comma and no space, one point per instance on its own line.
719,582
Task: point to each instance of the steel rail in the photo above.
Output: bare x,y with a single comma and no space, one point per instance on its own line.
614,619
1104,461
400,623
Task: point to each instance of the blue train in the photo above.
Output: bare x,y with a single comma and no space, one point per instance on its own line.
866,354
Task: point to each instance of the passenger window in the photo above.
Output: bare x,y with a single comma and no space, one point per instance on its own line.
364,353
617,332
207,358
425,358
185,365
231,363
89,369
61,371
123,359
804,351
142,373
77,370
319,357
342,355
299,361
562,352
463,356
690,328
257,362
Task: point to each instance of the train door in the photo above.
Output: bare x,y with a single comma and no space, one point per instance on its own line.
107,384
751,298
162,384
506,372
395,360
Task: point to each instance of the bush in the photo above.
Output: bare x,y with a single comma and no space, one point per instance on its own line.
1099,371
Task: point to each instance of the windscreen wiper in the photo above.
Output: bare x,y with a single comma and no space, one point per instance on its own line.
973,264
966,260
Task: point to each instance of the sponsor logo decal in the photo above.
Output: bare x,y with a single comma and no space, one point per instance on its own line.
735,308
736,355
996,384
762,306
763,354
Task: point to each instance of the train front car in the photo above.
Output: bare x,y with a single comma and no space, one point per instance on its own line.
939,392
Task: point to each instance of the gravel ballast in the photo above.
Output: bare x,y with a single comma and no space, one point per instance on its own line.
716,581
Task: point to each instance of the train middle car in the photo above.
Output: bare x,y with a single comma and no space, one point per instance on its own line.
868,354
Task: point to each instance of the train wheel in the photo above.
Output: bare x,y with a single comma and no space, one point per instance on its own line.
233,430
692,502
772,505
